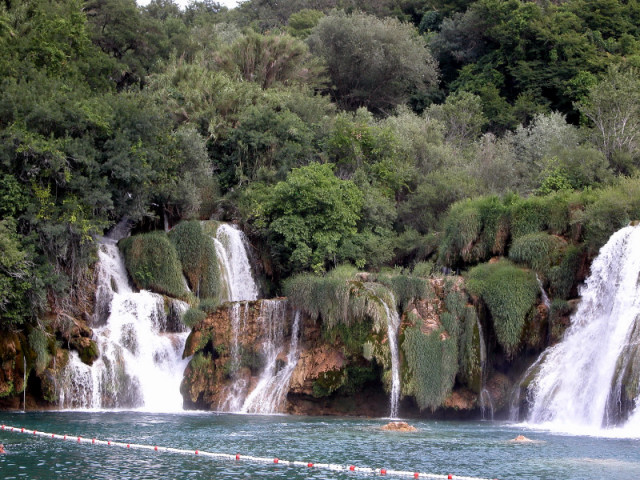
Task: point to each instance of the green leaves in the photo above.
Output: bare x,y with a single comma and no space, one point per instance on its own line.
311,214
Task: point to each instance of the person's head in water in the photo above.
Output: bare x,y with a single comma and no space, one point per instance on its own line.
1,448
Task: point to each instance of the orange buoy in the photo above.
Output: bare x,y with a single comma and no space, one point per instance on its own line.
352,468
450,477
109,442
383,471
128,446
416,475
196,452
275,460
309,464
237,456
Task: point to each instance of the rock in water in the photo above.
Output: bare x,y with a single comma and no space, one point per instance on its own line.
522,439
399,427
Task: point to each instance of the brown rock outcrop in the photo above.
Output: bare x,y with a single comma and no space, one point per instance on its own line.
399,427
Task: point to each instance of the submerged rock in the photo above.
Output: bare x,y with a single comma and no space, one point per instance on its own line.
399,427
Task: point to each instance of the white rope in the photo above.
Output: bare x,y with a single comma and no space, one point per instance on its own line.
238,457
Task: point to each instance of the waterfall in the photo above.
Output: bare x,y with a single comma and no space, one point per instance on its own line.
577,380
235,268
237,391
140,363
270,392
543,294
484,393
393,323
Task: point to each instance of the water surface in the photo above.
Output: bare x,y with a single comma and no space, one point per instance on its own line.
471,448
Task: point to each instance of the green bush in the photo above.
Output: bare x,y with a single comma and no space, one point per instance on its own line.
432,363
510,293
153,263
405,288
197,254
474,230
529,215
562,277
208,305
539,250
193,316
613,208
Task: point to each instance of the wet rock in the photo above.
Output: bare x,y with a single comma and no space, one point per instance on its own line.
399,427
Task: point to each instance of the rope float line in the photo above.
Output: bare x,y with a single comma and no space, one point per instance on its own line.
238,457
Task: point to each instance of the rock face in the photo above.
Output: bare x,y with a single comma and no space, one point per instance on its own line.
228,364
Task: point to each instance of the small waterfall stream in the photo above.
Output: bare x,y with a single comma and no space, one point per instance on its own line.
393,323
235,268
271,389
140,363
237,391
582,376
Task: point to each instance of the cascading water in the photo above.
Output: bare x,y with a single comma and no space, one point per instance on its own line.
580,378
271,389
543,295
234,264
393,323
485,400
237,391
140,363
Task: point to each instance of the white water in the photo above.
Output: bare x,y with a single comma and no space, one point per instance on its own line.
140,363
237,391
393,322
235,268
269,394
543,295
572,389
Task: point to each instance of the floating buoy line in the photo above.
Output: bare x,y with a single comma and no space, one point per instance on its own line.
237,457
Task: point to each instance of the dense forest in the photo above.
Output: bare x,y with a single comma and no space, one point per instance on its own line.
413,135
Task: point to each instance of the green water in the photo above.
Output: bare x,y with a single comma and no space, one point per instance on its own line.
472,448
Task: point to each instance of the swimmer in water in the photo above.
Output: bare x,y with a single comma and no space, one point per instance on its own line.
1,448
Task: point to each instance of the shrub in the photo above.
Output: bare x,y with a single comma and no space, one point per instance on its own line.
405,288
153,263
197,254
562,277
540,251
528,216
510,293
613,209
193,316
474,230
431,365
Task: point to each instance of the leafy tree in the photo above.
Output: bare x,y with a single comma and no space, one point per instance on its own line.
613,105
376,63
308,217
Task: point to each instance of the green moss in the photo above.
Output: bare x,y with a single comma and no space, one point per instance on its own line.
89,354
353,337
510,293
197,254
469,351
329,382
153,263
39,343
